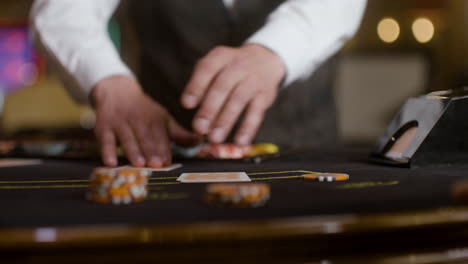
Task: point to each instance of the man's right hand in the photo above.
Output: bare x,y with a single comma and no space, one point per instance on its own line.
143,127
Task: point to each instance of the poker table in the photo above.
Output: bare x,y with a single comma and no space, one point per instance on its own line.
382,214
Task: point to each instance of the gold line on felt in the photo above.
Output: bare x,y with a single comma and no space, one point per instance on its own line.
11,187
281,172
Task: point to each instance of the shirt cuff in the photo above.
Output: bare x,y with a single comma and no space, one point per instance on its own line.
289,44
95,69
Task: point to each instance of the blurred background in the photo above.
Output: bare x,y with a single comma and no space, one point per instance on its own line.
404,48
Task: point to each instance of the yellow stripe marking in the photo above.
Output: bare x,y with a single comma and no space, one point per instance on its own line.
65,181
361,185
54,181
16,187
167,196
277,178
153,178
42,187
164,178
163,183
13,187
281,172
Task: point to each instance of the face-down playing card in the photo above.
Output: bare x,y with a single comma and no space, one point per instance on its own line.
213,177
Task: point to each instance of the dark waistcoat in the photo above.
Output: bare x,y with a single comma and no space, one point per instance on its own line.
175,34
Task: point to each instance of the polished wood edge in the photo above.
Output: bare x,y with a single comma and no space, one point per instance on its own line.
448,256
294,227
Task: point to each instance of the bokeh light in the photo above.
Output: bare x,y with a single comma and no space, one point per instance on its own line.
18,59
423,30
388,30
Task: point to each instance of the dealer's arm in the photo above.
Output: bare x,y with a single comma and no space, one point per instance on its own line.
298,37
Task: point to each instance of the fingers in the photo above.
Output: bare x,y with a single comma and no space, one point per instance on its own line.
233,108
151,145
252,121
143,146
130,145
107,144
204,73
215,99
228,80
141,131
159,131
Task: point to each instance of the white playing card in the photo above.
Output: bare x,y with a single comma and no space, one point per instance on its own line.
19,162
169,168
213,177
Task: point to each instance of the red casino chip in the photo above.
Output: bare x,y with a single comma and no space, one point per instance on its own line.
223,151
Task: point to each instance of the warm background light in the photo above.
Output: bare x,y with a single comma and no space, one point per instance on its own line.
423,30
388,30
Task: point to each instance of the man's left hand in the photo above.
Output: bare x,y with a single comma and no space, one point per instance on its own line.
228,81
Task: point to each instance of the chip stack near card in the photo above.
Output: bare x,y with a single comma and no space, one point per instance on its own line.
237,195
118,186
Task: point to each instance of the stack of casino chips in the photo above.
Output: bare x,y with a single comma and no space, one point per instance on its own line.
237,195
118,186
223,151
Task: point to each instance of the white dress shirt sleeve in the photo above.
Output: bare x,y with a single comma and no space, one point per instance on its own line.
304,33
73,34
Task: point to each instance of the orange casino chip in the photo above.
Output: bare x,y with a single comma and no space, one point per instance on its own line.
118,186
326,177
237,195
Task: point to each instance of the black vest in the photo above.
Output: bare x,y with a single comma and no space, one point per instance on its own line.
174,34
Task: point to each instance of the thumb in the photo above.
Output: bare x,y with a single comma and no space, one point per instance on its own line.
182,136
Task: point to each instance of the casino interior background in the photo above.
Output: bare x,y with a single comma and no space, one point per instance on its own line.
403,48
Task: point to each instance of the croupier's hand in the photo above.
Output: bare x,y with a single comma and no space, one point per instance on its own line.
143,127
228,81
